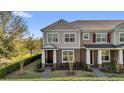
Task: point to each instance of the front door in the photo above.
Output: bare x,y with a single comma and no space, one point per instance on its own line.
92,57
50,56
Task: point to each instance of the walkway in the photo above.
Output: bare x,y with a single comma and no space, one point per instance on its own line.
98,72
47,72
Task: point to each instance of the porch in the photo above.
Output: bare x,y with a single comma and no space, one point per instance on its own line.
104,58
49,56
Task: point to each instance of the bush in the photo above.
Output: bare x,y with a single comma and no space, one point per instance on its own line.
15,66
38,67
76,66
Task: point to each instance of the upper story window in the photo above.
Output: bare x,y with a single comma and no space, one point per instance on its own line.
52,37
86,36
101,37
121,37
105,55
69,37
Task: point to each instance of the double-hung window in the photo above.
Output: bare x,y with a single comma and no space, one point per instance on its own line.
67,55
69,37
86,36
105,55
52,38
101,37
121,37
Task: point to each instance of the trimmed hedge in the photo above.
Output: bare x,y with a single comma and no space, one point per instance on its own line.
15,66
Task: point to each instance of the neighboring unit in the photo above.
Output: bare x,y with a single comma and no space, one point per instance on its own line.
88,42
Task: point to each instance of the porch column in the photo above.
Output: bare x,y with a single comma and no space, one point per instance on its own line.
54,58
43,59
120,58
100,58
88,59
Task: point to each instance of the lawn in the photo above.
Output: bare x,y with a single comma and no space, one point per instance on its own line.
59,75
29,72
114,75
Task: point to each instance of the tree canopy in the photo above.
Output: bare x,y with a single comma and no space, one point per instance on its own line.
12,28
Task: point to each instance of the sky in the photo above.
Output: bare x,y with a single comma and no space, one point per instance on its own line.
37,20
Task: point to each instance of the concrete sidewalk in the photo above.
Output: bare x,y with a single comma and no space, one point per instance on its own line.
47,72
98,72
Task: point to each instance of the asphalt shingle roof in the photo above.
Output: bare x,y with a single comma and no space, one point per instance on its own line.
103,46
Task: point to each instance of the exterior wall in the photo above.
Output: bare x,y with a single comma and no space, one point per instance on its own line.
77,55
112,55
61,43
83,56
116,38
59,55
91,37
95,58
87,41
45,39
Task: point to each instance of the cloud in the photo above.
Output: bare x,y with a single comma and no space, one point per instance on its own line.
22,14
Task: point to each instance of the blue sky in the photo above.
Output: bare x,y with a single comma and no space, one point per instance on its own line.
39,19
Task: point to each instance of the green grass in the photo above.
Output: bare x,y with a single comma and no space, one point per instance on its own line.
68,79
29,72
58,75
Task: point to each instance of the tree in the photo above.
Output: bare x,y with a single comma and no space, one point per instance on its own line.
12,28
31,44
71,64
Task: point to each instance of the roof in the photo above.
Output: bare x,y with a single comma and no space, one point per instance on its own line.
103,46
60,24
96,24
86,25
99,46
49,46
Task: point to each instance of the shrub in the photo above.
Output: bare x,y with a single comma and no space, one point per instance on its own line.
15,66
38,67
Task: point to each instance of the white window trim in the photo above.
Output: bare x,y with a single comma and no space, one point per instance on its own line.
119,37
88,36
69,33
62,56
52,40
101,42
109,56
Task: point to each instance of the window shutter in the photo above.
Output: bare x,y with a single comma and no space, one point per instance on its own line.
108,37
94,37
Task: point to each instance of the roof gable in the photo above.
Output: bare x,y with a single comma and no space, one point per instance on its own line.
60,24
49,47
119,26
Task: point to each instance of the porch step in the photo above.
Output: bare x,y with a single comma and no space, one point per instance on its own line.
98,72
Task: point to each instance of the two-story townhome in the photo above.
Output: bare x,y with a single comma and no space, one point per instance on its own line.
90,42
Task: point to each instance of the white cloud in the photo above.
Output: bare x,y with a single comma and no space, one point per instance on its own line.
22,14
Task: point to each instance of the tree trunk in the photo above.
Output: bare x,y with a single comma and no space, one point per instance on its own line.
31,52
71,67
21,67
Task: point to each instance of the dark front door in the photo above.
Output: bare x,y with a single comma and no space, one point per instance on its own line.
50,56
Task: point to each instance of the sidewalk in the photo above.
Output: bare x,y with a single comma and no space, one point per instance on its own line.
98,72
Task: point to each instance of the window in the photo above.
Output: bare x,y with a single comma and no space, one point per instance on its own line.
122,37
52,38
105,55
67,55
101,37
69,37
86,36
